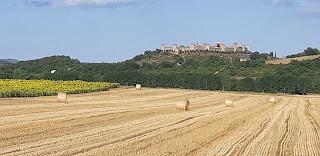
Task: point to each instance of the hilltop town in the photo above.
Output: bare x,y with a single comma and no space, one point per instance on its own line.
219,49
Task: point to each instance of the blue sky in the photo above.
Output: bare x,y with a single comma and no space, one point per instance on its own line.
116,30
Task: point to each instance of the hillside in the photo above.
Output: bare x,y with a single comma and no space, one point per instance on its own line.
288,60
158,56
8,61
153,69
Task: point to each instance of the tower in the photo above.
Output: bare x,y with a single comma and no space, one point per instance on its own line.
235,46
206,46
192,47
247,47
175,49
162,47
175,46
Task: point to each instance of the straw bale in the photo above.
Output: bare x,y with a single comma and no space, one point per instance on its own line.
62,97
228,103
138,86
183,105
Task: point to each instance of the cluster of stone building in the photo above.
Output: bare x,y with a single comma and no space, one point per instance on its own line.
218,47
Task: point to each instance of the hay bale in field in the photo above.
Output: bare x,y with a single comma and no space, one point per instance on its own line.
62,97
228,103
273,99
138,86
183,105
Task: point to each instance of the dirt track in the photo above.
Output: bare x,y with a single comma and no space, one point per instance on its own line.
145,122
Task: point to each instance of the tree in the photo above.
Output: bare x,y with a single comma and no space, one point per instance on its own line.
98,78
138,57
307,52
311,51
19,73
190,62
246,84
271,54
255,55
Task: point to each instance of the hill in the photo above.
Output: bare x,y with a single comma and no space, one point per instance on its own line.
152,69
159,56
288,60
8,61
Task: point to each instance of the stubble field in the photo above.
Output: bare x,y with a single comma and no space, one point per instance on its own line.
145,122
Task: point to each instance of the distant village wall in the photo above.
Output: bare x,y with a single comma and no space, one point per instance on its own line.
218,50
242,57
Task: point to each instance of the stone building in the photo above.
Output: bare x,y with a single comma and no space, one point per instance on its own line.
218,47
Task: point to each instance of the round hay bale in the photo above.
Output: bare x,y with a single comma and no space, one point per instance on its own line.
62,97
138,86
228,103
183,105
273,99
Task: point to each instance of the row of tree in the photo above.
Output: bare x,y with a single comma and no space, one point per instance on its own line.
308,52
272,84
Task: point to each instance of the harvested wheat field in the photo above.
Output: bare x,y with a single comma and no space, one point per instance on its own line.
146,122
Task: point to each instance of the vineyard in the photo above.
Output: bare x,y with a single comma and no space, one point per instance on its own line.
34,88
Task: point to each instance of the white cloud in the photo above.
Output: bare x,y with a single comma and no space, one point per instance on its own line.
287,3
76,3
85,3
306,8
275,2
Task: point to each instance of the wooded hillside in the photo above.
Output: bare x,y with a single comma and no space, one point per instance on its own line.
210,73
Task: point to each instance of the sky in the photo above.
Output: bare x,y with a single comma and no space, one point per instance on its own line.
117,30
